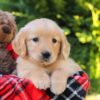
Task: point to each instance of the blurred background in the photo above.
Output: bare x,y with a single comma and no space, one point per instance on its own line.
80,20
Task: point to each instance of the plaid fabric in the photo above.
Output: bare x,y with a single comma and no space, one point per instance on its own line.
14,88
12,52
76,88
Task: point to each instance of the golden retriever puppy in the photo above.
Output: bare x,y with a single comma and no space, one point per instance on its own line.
44,55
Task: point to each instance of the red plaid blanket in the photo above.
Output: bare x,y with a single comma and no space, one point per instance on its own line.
15,88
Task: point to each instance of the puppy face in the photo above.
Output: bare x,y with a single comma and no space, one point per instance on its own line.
7,27
42,40
44,45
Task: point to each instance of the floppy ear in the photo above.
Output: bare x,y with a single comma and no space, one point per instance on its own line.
65,46
19,44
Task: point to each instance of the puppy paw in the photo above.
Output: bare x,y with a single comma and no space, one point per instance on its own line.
58,83
58,87
42,81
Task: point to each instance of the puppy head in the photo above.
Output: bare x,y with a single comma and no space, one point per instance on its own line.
7,26
43,41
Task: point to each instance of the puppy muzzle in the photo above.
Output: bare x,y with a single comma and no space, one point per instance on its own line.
6,29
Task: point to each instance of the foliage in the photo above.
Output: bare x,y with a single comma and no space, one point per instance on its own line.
79,18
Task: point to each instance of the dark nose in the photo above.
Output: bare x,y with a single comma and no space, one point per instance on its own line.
6,29
46,55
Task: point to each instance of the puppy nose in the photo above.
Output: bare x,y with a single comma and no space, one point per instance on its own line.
6,29
46,55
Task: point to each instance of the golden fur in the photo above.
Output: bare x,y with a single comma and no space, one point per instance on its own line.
51,73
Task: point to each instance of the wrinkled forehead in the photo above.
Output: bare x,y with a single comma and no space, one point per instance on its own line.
41,28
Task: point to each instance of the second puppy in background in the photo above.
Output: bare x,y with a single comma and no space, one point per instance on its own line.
44,55
8,29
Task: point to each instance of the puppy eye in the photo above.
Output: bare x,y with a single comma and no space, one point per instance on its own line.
36,39
54,40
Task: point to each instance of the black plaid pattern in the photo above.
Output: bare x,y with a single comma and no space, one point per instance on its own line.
74,90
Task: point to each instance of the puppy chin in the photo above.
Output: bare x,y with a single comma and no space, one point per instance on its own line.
43,62
47,63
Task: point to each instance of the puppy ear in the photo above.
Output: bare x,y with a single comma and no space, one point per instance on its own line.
19,44
65,46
